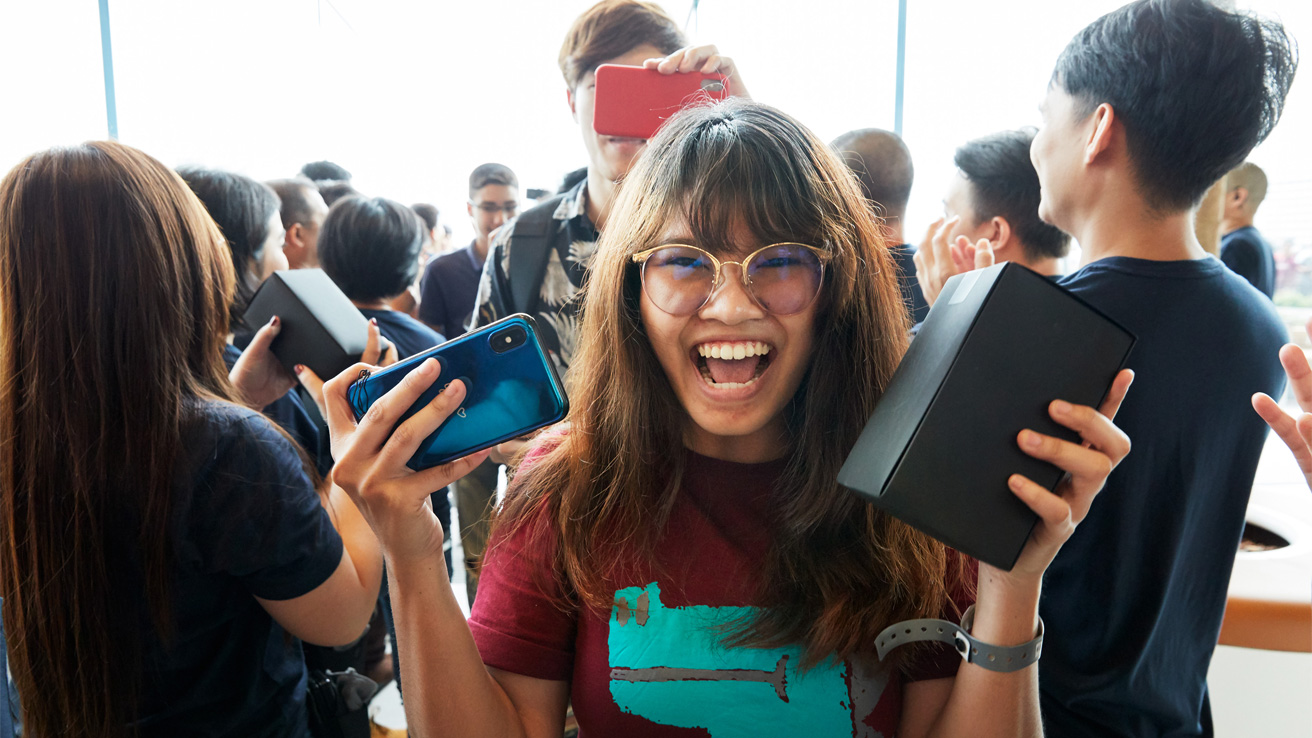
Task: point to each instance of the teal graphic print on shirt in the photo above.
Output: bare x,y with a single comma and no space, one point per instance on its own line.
667,665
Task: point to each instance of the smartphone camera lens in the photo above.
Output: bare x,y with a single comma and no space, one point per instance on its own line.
508,339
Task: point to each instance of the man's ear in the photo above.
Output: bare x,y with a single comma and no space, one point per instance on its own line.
469,207
573,108
1239,196
295,237
1000,234
1103,130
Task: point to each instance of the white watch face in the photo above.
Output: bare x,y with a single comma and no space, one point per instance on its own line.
962,645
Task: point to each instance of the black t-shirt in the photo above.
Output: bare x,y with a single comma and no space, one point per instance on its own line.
247,524
410,336
448,290
1133,602
1250,256
295,413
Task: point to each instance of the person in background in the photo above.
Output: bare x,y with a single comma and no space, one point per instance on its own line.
325,172
370,249
1131,141
557,238
165,545
994,198
882,164
303,211
1243,248
331,192
678,557
447,300
450,282
433,233
248,214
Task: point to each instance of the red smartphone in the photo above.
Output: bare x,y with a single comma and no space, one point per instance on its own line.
634,102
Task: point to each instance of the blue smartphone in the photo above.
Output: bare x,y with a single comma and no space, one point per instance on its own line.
511,388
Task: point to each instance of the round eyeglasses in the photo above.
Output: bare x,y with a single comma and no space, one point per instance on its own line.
783,278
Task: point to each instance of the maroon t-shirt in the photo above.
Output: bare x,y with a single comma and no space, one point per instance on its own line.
654,664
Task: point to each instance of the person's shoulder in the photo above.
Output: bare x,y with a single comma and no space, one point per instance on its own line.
408,323
448,261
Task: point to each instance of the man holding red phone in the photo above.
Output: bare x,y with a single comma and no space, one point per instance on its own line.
538,261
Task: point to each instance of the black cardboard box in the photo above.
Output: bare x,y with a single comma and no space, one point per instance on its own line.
320,327
997,347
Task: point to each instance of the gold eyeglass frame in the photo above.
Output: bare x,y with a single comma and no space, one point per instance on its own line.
822,256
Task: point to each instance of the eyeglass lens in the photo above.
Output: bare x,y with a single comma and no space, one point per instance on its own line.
784,279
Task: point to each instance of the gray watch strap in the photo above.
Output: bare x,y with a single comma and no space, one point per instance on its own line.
973,651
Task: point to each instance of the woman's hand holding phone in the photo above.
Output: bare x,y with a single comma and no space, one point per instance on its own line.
705,59
371,459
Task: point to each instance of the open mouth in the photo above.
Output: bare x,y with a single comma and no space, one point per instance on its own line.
732,364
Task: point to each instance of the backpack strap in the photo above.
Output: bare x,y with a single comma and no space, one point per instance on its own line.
530,250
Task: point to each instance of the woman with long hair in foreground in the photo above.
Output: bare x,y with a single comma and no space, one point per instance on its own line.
678,555
159,538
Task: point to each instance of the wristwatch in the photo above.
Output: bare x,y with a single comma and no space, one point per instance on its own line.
972,650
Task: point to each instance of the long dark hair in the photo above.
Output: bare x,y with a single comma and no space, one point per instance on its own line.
839,571
243,208
114,292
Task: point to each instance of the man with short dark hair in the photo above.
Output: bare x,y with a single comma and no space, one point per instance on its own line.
324,172
882,164
538,261
1147,107
303,211
994,198
450,282
1243,248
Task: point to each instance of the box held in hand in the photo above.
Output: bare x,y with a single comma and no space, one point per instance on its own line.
998,346
320,327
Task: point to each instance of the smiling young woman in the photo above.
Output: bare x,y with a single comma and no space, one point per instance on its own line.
679,554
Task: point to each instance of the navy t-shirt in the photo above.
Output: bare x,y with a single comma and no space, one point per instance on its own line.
1133,602
449,289
246,523
1250,256
294,415
410,336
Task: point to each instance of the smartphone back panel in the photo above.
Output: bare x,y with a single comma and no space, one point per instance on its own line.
510,390
633,102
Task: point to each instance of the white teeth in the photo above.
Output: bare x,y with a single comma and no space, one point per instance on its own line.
733,351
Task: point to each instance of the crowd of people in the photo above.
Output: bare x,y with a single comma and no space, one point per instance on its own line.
189,530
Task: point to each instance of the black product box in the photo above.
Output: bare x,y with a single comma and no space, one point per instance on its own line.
999,345
320,327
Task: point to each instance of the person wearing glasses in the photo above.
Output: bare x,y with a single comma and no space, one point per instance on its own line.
677,558
447,289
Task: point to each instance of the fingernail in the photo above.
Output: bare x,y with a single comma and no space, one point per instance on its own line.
1014,481
298,368
275,322
1061,407
428,367
1031,439
373,321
